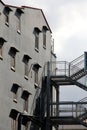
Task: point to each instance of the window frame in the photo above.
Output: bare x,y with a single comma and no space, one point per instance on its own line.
36,32
7,11
36,67
36,77
2,40
13,51
14,90
26,60
25,95
19,12
44,30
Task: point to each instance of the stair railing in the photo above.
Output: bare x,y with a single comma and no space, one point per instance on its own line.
69,108
76,65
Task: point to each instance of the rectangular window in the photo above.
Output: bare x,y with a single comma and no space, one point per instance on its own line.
44,38
7,18
6,12
18,14
36,67
25,96
44,30
14,124
26,68
26,59
37,41
14,89
36,76
36,33
12,53
1,47
19,24
26,105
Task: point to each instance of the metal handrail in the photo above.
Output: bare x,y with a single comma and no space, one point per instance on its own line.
74,109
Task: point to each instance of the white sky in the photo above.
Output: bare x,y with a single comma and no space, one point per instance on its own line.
68,21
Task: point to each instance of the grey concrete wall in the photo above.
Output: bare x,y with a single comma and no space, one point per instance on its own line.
25,43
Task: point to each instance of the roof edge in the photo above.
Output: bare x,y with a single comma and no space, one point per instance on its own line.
22,7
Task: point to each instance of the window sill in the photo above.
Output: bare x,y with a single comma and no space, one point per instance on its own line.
18,31
36,49
36,85
7,24
15,100
25,112
1,58
44,46
26,77
13,69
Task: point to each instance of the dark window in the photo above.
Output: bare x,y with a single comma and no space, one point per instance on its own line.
14,119
26,105
26,59
1,47
14,124
36,76
13,52
36,70
25,96
44,35
6,12
18,14
37,40
37,31
14,89
44,38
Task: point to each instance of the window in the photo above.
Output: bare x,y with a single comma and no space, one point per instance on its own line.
12,53
1,47
14,124
36,76
37,31
26,105
14,119
6,12
18,14
26,59
14,89
25,96
36,69
44,36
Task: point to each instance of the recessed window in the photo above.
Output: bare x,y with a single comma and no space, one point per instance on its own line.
36,70
14,124
18,14
14,119
1,47
14,89
44,30
26,59
25,96
36,32
12,53
6,12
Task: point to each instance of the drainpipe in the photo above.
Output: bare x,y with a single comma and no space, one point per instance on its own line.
20,121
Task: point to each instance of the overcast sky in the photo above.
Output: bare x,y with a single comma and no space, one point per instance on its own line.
68,22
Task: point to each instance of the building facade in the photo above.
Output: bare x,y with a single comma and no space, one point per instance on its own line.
25,47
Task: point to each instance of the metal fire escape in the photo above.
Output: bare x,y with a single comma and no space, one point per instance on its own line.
48,113
65,113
